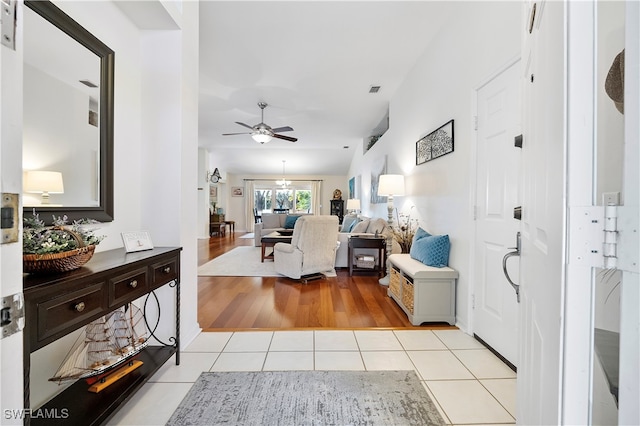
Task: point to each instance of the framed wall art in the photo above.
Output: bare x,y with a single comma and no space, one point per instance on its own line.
378,167
237,191
435,144
352,187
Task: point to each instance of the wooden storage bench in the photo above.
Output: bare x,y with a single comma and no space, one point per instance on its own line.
425,293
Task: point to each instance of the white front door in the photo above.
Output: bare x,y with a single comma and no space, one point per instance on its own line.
495,315
11,397
543,215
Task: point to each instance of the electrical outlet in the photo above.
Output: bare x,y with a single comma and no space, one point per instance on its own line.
611,198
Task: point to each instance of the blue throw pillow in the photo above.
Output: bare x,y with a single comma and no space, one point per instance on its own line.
420,233
432,250
290,222
348,223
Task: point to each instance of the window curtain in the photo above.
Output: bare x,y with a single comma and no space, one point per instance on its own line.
316,200
249,201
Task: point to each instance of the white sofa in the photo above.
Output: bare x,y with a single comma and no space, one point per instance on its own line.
271,222
364,226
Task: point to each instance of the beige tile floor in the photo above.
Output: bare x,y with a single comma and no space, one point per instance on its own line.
466,381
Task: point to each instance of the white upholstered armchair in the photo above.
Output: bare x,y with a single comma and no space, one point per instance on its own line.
312,249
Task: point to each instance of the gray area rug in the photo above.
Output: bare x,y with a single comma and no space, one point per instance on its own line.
307,398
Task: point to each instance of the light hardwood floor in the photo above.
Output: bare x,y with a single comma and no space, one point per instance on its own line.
240,303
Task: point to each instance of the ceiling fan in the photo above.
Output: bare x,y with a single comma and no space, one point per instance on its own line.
261,132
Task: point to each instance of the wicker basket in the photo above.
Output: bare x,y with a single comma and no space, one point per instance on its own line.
394,282
362,262
407,294
59,262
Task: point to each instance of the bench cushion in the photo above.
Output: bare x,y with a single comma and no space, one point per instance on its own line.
417,270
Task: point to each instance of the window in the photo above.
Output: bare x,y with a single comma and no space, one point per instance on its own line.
296,198
262,200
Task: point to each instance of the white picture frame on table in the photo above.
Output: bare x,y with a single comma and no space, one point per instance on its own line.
137,241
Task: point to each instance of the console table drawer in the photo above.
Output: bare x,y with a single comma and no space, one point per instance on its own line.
127,287
69,311
163,272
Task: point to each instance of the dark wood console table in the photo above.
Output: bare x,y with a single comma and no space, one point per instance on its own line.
107,282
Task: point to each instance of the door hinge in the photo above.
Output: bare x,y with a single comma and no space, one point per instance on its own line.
475,122
475,212
8,23
473,301
594,236
11,315
628,239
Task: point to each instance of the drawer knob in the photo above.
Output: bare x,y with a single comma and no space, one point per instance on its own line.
133,284
79,307
166,269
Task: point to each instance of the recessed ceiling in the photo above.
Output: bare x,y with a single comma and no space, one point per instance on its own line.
314,64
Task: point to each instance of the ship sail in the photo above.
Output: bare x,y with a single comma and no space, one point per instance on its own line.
104,344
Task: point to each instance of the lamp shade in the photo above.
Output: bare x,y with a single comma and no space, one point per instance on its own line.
41,182
391,185
261,137
353,204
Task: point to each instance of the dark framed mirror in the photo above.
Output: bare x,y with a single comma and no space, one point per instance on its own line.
88,176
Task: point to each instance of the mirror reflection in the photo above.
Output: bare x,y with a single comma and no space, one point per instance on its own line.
61,117
67,117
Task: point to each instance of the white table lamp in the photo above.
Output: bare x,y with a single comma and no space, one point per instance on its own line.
43,182
353,205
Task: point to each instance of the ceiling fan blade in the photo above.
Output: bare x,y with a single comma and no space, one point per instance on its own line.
286,138
282,129
245,125
230,134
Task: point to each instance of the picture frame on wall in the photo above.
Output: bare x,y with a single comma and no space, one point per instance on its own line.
237,191
378,168
213,191
435,144
352,187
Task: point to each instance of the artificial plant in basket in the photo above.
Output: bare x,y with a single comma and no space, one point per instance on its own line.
57,248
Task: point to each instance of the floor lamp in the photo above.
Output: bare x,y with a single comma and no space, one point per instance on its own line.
390,185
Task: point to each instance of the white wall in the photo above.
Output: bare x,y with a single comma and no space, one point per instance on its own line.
203,194
483,37
155,148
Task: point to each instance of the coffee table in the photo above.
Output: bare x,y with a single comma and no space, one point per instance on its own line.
271,240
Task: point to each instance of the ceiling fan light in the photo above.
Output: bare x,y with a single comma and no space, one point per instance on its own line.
261,137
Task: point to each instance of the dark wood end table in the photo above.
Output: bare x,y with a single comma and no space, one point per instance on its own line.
364,241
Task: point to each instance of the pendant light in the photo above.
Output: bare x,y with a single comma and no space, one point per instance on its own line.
284,183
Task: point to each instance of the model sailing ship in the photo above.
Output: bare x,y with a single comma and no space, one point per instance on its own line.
107,342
